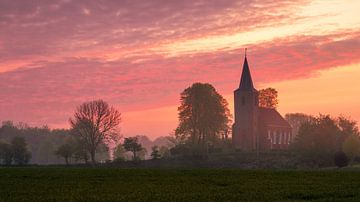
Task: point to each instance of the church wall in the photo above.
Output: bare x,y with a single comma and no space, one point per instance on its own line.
275,137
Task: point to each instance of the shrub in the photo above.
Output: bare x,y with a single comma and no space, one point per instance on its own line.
155,154
118,160
340,159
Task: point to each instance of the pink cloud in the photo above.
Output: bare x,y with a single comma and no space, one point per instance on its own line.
63,45
43,29
48,92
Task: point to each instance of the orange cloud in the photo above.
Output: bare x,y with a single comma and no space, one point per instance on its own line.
55,55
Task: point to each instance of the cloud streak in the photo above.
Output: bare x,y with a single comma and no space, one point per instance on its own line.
45,30
49,91
57,54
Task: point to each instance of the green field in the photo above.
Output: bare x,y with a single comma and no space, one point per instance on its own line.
84,184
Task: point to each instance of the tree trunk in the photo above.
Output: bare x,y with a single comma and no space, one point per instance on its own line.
351,162
67,161
134,152
93,161
86,158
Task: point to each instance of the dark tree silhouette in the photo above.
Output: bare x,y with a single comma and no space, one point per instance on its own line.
131,144
203,115
320,137
296,120
119,153
351,147
268,98
21,155
81,152
41,141
65,151
164,152
340,159
347,127
94,123
155,153
318,140
6,154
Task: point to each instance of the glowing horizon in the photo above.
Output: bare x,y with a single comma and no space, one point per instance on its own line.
140,56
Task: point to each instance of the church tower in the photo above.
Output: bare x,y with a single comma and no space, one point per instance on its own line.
246,103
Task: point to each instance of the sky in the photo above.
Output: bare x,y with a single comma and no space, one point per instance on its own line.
139,55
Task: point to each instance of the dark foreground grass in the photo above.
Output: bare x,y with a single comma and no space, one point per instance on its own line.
89,184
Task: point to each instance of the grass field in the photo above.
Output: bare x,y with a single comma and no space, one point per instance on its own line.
85,184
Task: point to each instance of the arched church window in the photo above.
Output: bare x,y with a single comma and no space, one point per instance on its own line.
280,137
290,137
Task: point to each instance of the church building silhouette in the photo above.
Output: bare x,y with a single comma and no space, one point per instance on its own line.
256,128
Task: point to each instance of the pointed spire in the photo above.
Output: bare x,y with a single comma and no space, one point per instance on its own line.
246,83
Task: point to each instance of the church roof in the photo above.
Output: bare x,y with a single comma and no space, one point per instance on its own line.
246,83
269,116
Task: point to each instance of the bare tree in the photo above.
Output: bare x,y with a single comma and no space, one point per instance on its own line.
94,123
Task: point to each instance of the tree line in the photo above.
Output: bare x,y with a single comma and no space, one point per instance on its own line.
204,120
204,128
15,152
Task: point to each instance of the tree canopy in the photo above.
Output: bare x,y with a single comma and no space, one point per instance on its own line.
6,154
351,147
119,153
155,152
296,120
66,151
203,115
131,144
268,98
319,138
21,154
41,141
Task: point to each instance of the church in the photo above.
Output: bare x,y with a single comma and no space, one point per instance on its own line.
255,127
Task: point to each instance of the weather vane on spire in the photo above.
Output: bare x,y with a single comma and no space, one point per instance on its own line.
245,51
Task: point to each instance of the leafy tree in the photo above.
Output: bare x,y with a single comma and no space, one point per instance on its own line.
6,154
21,155
131,144
268,98
65,151
81,153
351,147
174,139
347,127
317,140
296,120
46,150
164,152
142,154
119,153
155,153
41,141
180,149
203,115
340,159
95,123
